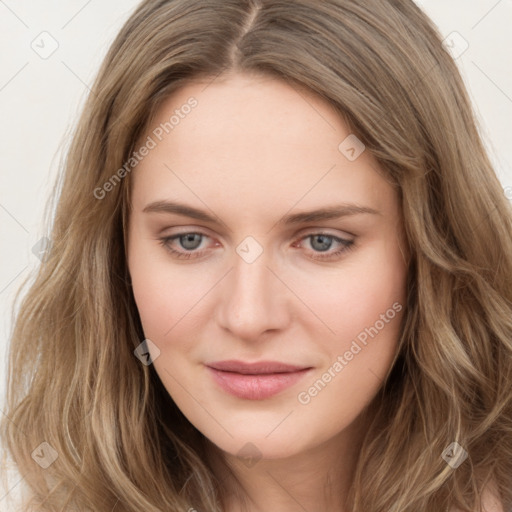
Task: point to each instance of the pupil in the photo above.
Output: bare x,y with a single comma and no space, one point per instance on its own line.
189,239
324,246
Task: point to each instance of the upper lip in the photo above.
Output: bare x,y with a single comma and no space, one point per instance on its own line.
260,367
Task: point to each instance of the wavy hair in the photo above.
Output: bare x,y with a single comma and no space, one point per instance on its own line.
73,380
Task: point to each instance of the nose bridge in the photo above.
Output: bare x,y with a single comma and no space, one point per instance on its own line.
252,300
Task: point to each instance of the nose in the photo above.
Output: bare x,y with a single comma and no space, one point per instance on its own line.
253,300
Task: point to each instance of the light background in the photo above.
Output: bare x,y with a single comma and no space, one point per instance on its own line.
40,100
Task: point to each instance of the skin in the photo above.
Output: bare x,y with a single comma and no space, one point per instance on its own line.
253,150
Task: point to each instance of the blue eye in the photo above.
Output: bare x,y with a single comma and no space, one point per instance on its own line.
191,241
325,243
186,240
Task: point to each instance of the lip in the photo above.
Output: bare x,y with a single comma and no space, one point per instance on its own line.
259,367
255,381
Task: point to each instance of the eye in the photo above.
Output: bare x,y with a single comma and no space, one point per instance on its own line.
322,243
189,243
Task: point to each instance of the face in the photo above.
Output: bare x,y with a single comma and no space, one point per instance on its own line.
244,274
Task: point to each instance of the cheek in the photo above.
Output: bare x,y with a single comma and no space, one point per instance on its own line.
342,300
170,298
365,308
353,297
157,291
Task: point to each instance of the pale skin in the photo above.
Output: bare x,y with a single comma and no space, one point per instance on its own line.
253,151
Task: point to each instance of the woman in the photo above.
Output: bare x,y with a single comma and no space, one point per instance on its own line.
280,275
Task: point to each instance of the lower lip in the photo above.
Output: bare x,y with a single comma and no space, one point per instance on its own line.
256,387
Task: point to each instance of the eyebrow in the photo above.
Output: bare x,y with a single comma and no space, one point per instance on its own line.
327,213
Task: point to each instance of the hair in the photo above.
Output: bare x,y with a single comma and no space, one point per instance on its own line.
73,380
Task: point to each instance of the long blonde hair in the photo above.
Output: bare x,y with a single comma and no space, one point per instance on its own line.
73,380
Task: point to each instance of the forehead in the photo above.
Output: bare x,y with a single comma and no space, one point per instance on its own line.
254,144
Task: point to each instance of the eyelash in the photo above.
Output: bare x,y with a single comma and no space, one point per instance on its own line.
347,245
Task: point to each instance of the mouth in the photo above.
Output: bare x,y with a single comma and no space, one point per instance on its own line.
255,381
257,368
